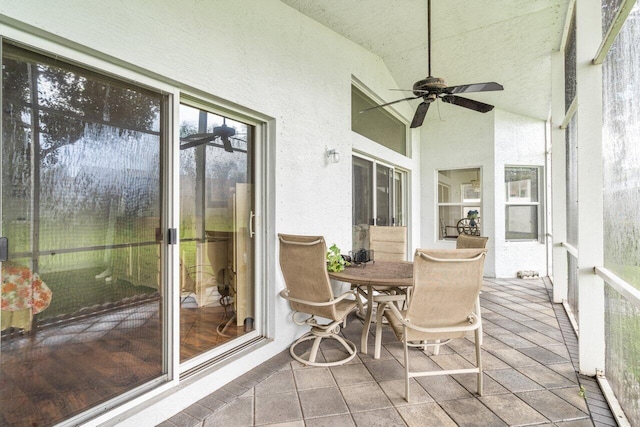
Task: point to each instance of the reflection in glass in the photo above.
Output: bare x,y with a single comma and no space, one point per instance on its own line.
377,124
362,202
81,208
383,195
215,247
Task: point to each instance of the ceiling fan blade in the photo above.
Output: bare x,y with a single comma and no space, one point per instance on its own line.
195,140
227,145
418,117
389,103
468,103
474,87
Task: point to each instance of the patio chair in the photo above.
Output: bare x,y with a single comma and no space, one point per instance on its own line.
308,289
466,241
388,243
442,307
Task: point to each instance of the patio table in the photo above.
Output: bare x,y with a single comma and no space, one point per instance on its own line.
381,276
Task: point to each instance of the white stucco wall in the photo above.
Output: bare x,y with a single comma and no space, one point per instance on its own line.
456,138
263,56
519,141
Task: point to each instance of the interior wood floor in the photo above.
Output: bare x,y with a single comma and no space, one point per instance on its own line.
62,370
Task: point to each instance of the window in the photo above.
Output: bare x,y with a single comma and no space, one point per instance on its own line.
522,216
378,124
384,206
459,192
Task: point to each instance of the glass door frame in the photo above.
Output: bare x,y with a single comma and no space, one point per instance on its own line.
261,331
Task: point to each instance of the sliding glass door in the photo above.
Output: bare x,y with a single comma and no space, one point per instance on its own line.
216,219
81,201
378,198
84,238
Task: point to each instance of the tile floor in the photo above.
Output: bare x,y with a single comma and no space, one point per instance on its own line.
529,356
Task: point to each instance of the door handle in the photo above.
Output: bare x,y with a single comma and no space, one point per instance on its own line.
252,217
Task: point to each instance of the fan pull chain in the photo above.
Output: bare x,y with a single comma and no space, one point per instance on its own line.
439,115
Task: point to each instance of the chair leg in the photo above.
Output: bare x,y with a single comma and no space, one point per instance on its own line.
436,349
317,336
478,311
378,342
344,343
406,367
314,349
478,335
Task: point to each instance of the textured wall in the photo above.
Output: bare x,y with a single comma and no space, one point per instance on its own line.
520,141
457,138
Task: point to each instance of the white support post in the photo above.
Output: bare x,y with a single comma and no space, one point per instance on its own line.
590,205
558,180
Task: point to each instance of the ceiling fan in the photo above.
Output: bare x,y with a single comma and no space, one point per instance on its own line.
223,132
433,88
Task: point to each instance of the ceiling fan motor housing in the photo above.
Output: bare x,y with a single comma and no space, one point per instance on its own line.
224,131
429,84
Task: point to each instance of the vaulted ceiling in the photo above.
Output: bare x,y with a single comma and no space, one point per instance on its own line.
506,41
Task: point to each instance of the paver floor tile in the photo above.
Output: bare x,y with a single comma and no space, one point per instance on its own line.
551,406
513,380
471,413
350,374
277,408
425,414
312,377
512,410
379,418
365,397
320,402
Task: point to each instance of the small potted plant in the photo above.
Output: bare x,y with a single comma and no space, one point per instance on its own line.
472,216
335,262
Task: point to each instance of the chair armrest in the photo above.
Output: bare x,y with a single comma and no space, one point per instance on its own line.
473,321
285,294
423,255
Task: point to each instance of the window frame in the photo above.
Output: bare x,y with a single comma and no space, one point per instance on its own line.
539,204
394,171
462,204
375,100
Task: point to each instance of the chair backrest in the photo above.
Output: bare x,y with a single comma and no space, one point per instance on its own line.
388,243
465,241
303,261
446,285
